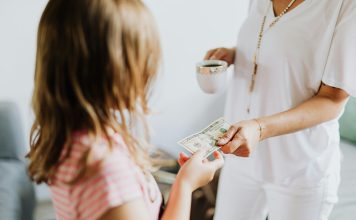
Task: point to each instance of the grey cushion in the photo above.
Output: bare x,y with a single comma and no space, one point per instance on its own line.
17,196
345,209
348,122
12,143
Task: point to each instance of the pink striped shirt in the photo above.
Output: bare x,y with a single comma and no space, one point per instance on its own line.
118,180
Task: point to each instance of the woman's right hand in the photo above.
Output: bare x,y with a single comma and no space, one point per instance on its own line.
197,171
225,54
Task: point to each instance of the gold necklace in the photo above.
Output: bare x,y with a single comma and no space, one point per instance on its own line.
260,37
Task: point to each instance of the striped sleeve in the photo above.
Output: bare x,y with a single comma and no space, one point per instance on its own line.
113,185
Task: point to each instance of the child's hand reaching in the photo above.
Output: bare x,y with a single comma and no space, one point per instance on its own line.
197,171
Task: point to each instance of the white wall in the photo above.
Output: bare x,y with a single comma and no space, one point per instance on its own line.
18,26
188,28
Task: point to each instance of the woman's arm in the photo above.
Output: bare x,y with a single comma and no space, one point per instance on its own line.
324,106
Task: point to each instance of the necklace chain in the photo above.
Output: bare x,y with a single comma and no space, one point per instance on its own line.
259,42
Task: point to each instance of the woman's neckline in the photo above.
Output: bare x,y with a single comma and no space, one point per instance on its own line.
290,13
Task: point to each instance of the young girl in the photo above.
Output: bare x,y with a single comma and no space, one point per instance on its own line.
95,62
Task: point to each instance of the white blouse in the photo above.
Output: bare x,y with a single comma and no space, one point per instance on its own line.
313,43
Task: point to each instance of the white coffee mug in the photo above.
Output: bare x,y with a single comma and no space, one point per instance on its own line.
212,75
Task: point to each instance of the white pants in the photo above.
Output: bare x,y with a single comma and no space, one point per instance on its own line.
242,197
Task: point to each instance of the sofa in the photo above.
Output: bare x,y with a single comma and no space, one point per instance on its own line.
17,195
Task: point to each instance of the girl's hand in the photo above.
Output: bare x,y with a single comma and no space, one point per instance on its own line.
197,171
241,139
226,54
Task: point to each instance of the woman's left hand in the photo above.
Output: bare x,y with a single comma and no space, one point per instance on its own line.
241,139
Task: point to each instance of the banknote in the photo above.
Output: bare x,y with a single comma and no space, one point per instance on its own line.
206,138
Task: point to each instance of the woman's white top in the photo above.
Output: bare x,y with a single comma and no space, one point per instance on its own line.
311,44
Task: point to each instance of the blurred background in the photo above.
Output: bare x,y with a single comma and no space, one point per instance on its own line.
188,28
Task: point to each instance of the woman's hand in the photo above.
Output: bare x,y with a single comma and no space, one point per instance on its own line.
241,139
197,171
226,54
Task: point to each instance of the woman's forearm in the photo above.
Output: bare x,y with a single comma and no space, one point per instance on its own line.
179,203
325,106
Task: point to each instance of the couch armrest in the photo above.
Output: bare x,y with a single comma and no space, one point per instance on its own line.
17,196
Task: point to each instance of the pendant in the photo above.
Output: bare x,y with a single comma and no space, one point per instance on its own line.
252,85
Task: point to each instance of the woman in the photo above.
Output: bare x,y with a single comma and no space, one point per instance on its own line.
295,67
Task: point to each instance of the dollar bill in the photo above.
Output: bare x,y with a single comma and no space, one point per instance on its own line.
206,138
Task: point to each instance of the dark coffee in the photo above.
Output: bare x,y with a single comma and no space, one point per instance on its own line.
211,65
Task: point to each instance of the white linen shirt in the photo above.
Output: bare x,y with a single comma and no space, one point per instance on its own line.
313,43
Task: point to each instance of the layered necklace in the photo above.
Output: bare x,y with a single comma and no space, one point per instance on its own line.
259,41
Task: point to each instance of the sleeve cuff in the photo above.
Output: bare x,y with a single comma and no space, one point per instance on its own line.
347,88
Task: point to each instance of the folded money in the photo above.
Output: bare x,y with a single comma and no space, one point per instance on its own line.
206,138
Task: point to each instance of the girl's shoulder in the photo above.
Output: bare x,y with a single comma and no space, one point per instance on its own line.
88,153
113,178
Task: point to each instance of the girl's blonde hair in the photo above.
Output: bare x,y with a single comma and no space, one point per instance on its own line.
94,64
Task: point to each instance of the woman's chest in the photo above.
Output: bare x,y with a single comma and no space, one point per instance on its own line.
298,43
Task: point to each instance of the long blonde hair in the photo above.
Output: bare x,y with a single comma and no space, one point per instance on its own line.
94,58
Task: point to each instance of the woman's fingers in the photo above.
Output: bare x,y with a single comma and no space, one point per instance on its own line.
217,55
242,151
209,54
226,54
227,136
233,145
